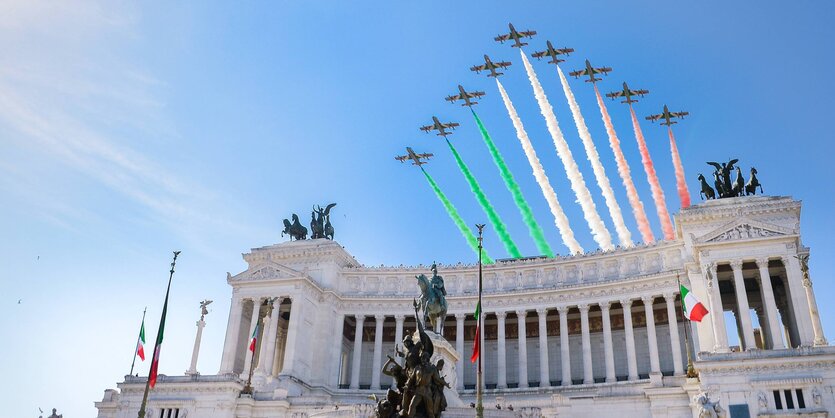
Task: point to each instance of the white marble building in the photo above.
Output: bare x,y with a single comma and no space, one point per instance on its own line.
577,336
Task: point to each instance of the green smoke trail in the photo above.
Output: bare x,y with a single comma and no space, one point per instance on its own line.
527,215
456,217
501,230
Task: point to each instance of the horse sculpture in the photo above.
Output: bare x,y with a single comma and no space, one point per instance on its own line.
707,192
739,183
753,183
296,230
433,301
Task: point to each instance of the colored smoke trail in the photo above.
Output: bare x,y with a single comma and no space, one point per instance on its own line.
456,217
498,225
578,185
681,182
654,185
560,219
625,174
527,215
624,235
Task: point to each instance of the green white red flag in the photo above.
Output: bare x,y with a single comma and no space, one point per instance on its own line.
477,342
140,342
152,376
254,339
693,309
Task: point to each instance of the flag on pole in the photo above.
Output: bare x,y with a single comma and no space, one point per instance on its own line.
693,309
254,339
477,342
152,376
140,342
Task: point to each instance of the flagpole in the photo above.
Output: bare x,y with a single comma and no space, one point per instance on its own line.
159,331
137,341
691,371
479,408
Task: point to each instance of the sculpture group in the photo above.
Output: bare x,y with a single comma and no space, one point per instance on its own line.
724,186
419,385
320,224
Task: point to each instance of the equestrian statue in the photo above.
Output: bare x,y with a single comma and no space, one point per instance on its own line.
433,300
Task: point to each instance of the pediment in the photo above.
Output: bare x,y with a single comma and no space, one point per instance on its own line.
744,229
267,271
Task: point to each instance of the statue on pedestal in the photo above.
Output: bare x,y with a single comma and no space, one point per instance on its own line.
433,299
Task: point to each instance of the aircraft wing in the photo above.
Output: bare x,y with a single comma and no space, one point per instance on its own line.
427,128
640,92
602,70
453,98
539,54
475,94
654,117
614,94
527,33
401,158
502,38
503,64
425,155
478,68
449,125
679,114
578,73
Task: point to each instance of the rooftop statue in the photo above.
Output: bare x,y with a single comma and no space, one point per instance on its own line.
723,185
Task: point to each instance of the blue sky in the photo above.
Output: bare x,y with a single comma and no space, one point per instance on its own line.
127,131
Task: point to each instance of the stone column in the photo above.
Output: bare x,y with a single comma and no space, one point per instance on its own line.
654,363
717,312
196,350
398,338
281,344
459,346
544,375
820,339
263,338
336,350
289,353
742,306
607,343
588,372
265,363
376,363
565,354
799,306
501,376
631,360
770,305
678,367
355,363
233,330
523,349
256,310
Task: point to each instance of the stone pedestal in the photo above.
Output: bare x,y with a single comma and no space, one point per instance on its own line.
444,350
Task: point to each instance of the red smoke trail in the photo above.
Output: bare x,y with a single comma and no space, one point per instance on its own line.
654,185
681,182
625,174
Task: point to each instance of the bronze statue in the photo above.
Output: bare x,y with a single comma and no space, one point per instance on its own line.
739,183
753,183
296,230
203,310
707,192
723,176
320,222
433,299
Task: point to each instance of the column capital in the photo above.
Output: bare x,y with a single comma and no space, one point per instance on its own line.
563,309
500,315
710,267
762,262
736,265
379,317
521,313
401,318
605,306
669,296
359,318
626,303
785,259
583,307
458,316
648,299
542,311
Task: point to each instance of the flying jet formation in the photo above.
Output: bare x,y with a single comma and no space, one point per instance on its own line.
667,116
465,96
491,66
416,158
440,127
627,93
591,71
515,36
552,52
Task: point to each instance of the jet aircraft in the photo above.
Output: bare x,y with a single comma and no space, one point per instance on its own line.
515,36
667,116
491,66
591,71
411,155
552,52
465,96
440,127
627,93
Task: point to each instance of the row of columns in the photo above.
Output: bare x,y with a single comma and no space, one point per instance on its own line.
565,355
273,338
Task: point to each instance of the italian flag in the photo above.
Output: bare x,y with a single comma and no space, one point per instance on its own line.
140,342
254,339
693,309
152,376
476,343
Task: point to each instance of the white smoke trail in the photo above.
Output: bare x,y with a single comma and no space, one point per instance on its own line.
625,173
560,219
624,235
578,185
